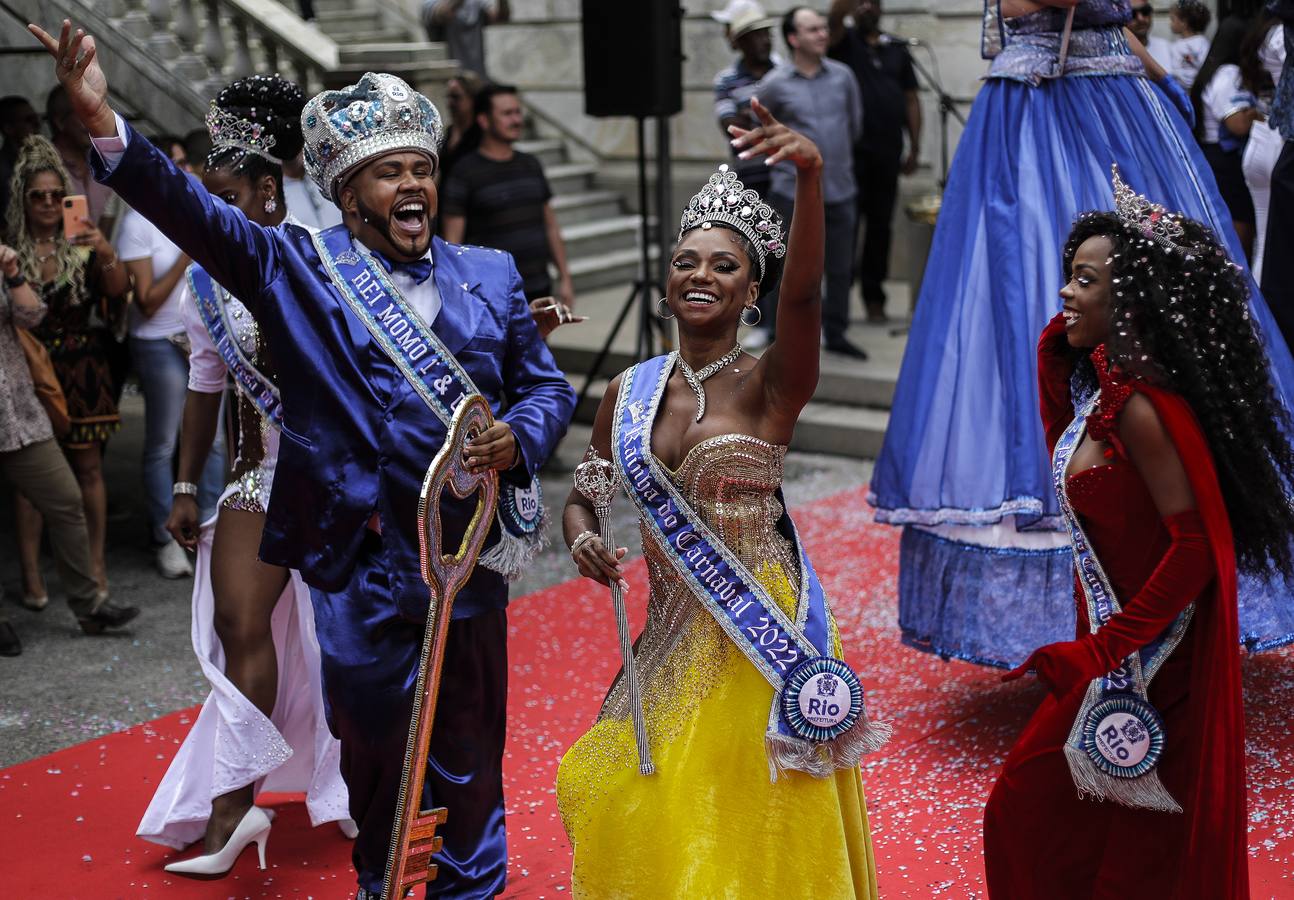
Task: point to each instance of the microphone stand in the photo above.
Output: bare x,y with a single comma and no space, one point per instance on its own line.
947,107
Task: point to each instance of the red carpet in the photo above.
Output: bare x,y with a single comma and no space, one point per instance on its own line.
69,818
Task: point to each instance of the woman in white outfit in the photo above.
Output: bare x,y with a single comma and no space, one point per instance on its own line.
263,726
1264,145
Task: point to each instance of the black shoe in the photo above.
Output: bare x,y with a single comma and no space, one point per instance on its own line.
9,643
107,616
845,348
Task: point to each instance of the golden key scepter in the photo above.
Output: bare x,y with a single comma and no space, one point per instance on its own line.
413,838
596,480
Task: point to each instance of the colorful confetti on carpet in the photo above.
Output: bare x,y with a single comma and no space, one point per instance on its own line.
67,820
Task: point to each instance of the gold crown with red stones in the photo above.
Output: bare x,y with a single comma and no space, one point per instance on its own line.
1150,219
724,200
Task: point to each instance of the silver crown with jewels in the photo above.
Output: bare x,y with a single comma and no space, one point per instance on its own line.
1150,219
379,114
228,130
725,200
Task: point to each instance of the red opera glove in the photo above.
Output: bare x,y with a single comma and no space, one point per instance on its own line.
1063,666
1183,572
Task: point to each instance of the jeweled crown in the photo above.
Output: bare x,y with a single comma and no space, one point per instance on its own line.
725,200
228,130
377,115
1150,219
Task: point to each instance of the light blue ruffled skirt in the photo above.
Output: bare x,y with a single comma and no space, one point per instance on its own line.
985,575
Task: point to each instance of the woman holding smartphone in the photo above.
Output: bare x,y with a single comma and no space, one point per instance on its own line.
80,280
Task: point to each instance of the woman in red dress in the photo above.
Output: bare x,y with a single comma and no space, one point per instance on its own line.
1173,469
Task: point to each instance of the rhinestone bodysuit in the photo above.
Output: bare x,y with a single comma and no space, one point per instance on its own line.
253,470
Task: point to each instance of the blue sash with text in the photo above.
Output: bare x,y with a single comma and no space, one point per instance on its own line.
794,656
436,376
1117,739
212,304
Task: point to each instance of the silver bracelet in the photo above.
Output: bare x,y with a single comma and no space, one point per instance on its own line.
184,487
581,539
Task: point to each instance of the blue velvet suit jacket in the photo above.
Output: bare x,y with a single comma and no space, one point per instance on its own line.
356,438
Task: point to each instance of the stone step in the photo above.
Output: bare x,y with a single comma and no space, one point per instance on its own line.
323,6
841,383
600,235
586,206
848,431
550,152
840,430
397,54
345,19
378,35
602,270
570,178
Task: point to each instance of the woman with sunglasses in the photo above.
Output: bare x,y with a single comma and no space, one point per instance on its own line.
82,283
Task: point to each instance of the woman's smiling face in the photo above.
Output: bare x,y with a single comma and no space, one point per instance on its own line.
1087,296
711,278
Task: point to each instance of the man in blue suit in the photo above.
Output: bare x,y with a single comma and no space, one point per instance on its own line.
375,329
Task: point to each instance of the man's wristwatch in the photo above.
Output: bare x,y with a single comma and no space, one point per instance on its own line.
184,487
13,281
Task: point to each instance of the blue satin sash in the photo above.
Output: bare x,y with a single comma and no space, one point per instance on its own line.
212,304
773,643
434,374
1117,738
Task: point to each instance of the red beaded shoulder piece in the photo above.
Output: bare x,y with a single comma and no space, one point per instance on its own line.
1116,388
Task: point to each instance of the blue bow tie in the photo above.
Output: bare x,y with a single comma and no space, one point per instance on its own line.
419,270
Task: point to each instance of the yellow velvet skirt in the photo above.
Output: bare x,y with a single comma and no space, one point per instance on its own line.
710,823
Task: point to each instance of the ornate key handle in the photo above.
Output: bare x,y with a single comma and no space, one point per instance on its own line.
596,480
414,839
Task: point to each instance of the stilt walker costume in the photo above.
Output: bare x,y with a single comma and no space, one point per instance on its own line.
373,356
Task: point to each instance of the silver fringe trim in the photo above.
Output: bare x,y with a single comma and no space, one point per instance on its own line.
791,754
1145,792
510,556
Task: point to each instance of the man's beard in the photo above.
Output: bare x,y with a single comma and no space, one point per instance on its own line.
382,223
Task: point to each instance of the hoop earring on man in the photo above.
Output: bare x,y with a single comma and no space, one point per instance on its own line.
666,314
759,316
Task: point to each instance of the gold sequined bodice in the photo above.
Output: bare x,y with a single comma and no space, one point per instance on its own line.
731,482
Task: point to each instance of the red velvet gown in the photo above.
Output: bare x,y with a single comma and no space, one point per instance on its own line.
1040,839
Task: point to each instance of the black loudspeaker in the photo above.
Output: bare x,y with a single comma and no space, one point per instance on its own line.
633,57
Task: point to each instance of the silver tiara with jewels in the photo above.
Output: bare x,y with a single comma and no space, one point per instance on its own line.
379,114
1150,219
228,130
724,200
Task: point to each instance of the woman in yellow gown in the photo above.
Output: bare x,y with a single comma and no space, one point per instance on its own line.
723,815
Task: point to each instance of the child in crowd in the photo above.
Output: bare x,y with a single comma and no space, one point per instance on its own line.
1188,20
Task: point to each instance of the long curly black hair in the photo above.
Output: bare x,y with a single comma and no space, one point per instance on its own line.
1180,319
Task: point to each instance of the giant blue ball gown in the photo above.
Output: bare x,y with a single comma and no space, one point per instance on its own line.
984,574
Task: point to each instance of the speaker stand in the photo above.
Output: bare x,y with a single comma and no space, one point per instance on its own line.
646,287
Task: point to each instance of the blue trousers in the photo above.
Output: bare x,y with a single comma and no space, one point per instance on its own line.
369,657
163,371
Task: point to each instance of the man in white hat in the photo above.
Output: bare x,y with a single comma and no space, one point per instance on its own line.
749,31
377,330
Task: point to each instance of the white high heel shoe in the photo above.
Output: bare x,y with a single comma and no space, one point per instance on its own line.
254,828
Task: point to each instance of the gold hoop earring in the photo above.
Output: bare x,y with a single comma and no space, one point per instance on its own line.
666,314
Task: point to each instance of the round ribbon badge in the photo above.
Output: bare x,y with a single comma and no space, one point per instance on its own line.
522,507
822,699
1124,736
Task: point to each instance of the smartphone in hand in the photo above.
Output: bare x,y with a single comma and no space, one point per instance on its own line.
76,209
